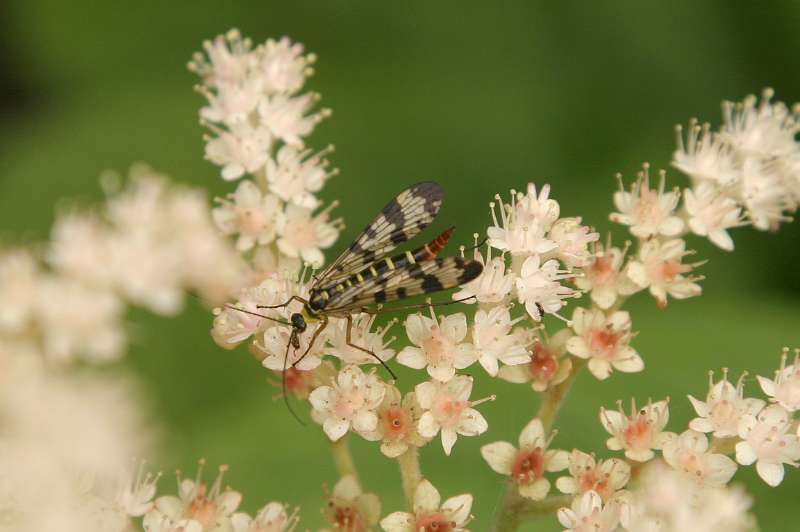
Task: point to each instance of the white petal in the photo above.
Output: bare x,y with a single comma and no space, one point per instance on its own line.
442,373
398,522
567,485
425,392
458,507
600,368
427,426
500,456
700,407
335,428
770,473
577,346
413,357
320,398
556,460
426,498
536,490
631,362
365,421
745,454
449,438
472,423
516,374
533,434
489,363
418,328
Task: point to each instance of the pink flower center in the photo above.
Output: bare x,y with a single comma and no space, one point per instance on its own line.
638,433
438,348
202,509
601,271
347,519
724,415
692,464
434,522
543,364
528,465
767,442
591,480
604,342
446,410
349,403
395,423
669,269
251,220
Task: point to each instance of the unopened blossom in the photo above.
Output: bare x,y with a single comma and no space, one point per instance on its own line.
211,508
527,465
689,453
493,285
667,501
765,196
243,149
766,443
305,235
539,287
522,226
250,214
295,175
784,389
589,514
430,513
763,129
398,420
704,156
648,212
712,213
447,408
605,478
660,268
604,339
273,517
638,433
282,66
288,118
494,340
360,335
724,406
548,366
438,345
351,510
604,277
572,240
349,403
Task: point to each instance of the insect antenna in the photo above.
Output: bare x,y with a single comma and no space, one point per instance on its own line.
250,312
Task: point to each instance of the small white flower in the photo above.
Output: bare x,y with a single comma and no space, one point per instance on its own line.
524,222
765,442
210,508
304,235
689,454
539,289
589,514
351,510
287,118
785,388
573,241
295,175
232,102
430,513
765,194
640,432
705,156
659,267
242,149
604,341
135,495
711,214
493,285
228,60
282,66
277,344
447,408
398,421
763,129
350,402
273,517
494,341
548,365
648,212
604,277
605,478
249,213
438,344
361,336
724,406
527,465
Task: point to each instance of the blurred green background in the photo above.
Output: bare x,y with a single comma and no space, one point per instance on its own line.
480,97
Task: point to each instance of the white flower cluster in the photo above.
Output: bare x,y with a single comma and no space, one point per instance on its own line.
745,173
259,121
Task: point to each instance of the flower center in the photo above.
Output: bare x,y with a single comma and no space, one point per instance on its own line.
438,348
395,423
435,522
347,519
447,410
601,271
543,364
724,414
637,433
604,341
349,403
528,465
669,269
202,509
692,464
251,220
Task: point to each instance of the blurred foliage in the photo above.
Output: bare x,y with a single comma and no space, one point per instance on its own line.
482,97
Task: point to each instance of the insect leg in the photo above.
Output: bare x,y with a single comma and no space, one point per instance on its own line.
292,336
293,298
323,323
351,344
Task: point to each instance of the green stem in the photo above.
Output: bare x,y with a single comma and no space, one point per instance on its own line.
515,509
343,459
410,474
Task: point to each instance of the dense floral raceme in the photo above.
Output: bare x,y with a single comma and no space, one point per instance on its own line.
548,303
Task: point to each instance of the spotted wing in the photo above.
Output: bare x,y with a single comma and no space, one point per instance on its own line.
401,219
411,280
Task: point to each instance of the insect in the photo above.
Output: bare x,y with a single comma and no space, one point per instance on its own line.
364,277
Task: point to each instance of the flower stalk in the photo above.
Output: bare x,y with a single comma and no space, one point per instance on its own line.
409,474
